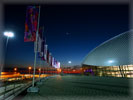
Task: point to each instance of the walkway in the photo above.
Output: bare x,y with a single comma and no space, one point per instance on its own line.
72,87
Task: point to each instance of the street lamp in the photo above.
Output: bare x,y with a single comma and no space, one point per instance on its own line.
8,35
29,71
111,61
39,69
15,69
69,62
39,72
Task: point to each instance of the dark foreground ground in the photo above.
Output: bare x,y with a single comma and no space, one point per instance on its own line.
72,87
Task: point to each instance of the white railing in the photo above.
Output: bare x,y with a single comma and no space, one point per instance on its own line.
8,90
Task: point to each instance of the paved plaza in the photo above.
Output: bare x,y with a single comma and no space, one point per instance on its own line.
72,87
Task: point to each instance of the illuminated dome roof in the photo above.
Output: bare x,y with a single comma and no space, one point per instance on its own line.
113,52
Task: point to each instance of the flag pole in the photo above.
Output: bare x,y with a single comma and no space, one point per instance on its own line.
35,46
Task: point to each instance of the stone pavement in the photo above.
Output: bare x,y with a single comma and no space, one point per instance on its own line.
72,87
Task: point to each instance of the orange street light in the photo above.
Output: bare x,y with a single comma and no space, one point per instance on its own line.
15,69
39,72
39,69
59,70
29,70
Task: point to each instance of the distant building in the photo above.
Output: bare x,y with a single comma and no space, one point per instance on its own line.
111,58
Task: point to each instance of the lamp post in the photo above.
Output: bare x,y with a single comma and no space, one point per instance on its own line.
8,35
69,62
29,71
15,70
39,72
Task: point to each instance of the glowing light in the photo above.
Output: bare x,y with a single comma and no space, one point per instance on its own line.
69,62
29,68
74,70
110,61
59,70
9,34
15,69
39,69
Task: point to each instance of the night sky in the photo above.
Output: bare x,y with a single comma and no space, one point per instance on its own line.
71,31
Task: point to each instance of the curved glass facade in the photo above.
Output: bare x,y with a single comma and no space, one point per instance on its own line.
111,58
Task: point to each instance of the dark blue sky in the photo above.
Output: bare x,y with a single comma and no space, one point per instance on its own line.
87,27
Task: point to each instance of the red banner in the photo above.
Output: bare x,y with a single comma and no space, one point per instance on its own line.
31,23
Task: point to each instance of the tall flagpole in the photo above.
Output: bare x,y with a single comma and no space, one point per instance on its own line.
35,46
